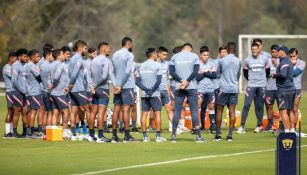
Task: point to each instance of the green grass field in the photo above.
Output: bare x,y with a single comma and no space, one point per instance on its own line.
27,156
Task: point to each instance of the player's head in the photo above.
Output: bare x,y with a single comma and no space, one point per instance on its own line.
47,46
151,53
48,55
127,43
232,47
104,48
58,55
92,52
293,54
283,51
274,51
177,49
34,56
204,53
66,52
162,53
80,47
223,51
22,55
259,42
12,57
255,49
187,47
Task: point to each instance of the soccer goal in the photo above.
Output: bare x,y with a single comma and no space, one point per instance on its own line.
244,41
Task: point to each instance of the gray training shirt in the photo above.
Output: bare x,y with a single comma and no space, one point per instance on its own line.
297,80
18,77
87,73
229,69
206,84
33,86
165,74
60,76
184,62
7,75
256,71
76,73
271,82
45,73
148,72
123,63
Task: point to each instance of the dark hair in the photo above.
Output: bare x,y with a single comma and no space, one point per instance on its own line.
21,51
33,52
125,40
47,52
255,45
223,48
149,51
91,50
177,49
187,44
12,54
292,50
79,44
204,49
56,53
65,49
231,43
47,46
162,49
257,40
274,46
102,44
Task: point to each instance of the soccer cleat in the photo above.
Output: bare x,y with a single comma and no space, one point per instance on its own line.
103,139
129,139
40,135
16,135
173,138
114,139
258,129
241,130
179,131
78,130
146,139
91,139
183,128
212,131
135,130
74,138
160,139
217,138
84,130
268,129
199,139
8,135
229,139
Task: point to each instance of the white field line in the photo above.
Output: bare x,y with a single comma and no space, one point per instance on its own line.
175,161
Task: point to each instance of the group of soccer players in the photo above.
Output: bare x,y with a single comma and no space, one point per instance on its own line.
61,89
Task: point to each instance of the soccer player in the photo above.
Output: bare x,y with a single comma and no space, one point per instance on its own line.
298,68
76,87
183,68
271,88
123,94
46,47
265,54
46,88
59,80
134,105
33,80
101,70
7,75
205,77
229,68
256,70
286,88
19,91
232,48
148,79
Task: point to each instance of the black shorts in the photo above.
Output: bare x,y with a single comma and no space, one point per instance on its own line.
9,100
78,98
47,101
36,102
227,98
298,93
19,99
271,96
101,97
153,103
207,98
60,102
165,98
286,100
89,97
125,97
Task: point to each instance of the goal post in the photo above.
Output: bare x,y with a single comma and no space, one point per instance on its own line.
244,49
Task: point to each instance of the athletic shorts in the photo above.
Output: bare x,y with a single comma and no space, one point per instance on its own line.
271,96
19,99
125,97
60,102
89,97
172,93
36,102
227,98
78,98
101,97
286,100
298,93
207,98
153,103
165,98
135,97
9,100
47,101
